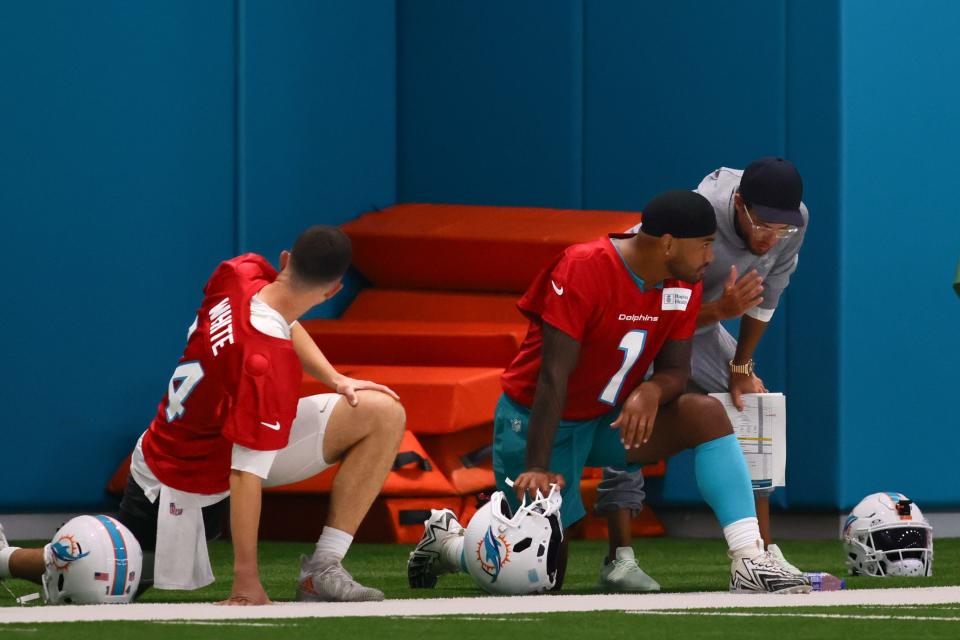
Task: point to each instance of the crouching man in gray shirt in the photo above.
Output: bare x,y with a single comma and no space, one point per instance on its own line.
761,223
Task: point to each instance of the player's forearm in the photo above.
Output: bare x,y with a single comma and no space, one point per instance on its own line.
245,498
545,415
560,354
751,331
710,313
311,358
671,369
670,382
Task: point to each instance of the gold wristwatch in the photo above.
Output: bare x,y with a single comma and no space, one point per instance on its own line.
745,369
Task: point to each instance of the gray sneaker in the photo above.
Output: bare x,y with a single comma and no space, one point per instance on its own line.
323,579
624,574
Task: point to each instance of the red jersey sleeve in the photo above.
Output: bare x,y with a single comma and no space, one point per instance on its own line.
685,327
264,402
560,295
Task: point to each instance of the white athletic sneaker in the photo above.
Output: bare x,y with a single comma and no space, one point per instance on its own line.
323,579
756,571
624,574
428,561
777,555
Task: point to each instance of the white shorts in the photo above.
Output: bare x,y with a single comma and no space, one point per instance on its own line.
302,458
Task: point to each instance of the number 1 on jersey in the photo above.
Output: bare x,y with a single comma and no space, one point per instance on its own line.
185,378
632,346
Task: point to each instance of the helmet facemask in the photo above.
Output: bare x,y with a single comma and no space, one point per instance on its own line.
894,550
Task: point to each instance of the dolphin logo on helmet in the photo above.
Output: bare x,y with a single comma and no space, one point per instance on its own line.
493,560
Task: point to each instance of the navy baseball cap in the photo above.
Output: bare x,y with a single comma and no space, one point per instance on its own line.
773,189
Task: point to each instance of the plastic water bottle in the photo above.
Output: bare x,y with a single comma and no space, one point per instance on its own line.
825,582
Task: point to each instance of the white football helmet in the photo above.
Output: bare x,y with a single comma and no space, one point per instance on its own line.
515,554
887,535
92,560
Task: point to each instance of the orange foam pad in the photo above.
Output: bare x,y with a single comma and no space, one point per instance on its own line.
464,457
434,306
475,248
436,399
300,517
401,519
399,342
118,482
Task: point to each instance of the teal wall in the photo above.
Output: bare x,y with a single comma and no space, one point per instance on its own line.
899,241
489,102
143,142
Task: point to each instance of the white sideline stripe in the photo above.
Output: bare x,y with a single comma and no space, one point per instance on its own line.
830,616
222,623
482,605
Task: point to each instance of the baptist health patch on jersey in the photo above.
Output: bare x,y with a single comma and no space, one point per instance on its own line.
675,299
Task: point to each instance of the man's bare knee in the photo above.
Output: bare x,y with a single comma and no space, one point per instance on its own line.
387,416
715,422
706,417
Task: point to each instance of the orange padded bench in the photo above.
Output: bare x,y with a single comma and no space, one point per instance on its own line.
475,248
415,342
434,306
437,399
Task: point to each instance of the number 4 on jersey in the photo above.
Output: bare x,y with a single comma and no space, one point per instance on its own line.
632,346
185,378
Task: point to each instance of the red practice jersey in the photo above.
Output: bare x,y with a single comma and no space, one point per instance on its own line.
233,385
590,294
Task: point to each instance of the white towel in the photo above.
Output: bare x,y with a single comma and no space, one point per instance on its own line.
182,561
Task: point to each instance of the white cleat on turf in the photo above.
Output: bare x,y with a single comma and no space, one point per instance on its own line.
428,560
625,575
323,579
756,571
777,555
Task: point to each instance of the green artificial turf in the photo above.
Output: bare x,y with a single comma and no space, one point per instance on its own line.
679,565
783,625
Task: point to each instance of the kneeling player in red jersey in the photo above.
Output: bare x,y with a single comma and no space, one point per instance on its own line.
576,394
232,422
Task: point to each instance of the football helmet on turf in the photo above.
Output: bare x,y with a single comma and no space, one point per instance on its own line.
515,554
887,535
92,560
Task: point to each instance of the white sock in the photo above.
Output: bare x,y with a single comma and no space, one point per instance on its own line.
452,551
333,542
5,554
742,537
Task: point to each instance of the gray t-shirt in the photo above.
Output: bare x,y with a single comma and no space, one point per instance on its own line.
775,267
